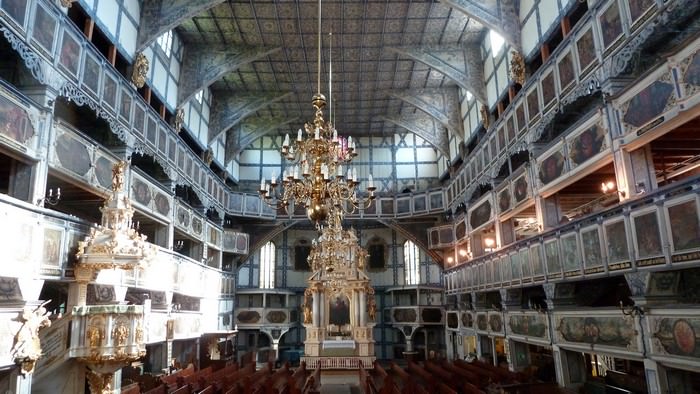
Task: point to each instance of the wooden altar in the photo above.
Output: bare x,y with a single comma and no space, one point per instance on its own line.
339,304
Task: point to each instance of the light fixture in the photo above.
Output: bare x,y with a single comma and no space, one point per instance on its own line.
51,198
610,187
607,187
316,176
450,260
335,251
463,252
489,243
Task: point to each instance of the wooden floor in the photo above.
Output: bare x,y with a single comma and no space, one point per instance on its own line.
340,382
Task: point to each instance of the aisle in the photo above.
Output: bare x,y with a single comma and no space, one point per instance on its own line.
338,389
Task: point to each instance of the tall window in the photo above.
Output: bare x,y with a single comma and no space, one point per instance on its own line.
496,43
199,95
165,41
411,263
267,266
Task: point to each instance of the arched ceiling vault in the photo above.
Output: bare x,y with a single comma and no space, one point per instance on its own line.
498,15
389,59
229,109
159,16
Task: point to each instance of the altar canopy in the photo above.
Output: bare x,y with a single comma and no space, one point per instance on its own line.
339,305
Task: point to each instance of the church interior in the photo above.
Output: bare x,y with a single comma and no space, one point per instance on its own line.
338,196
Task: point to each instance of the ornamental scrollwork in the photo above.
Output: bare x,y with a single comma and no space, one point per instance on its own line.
140,72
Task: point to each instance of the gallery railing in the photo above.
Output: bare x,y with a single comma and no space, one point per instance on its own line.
656,230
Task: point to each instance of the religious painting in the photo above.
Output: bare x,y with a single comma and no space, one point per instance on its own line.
510,126
551,251
569,253
504,265
52,246
276,317
528,325
16,9
403,205
592,253
566,71
610,25
548,91
495,322
69,57
607,331
73,154
103,172
646,235
431,315
678,336
467,320
162,204
525,263
461,229
91,74
533,105
536,260
140,192
504,200
236,202
125,105
685,229
480,215
551,168
585,47
163,141
151,128
502,138
419,203
252,204
387,206
639,8
10,289
405,315
435,200
520,117
495,269
616,238
515,266
44,28
22,242
14,121
587,144
648,104
452,320
139,119
248,317
171,149
302,250
197,226
520,189
446,235
109,91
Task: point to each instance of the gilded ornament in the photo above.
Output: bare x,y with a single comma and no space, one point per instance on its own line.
118,175
67,3
517,68
485,116
208,156
120,333
99,383
138,76
26,347
138,334
307,314
372,308
94,336
179,119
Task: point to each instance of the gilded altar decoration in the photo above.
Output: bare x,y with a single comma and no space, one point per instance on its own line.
138,75
94,336
484,111
138,334
67,3
179,120
26,347
308,300
99,383
372,308
517,68
208,156
115,243
120,333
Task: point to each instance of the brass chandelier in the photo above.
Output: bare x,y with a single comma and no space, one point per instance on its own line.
316,176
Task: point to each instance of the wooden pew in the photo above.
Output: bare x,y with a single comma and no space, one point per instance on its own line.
479,381
484,373
132,388
162,389
313,382
503,374
408,383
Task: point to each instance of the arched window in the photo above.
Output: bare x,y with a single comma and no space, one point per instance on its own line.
267,266
411,261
